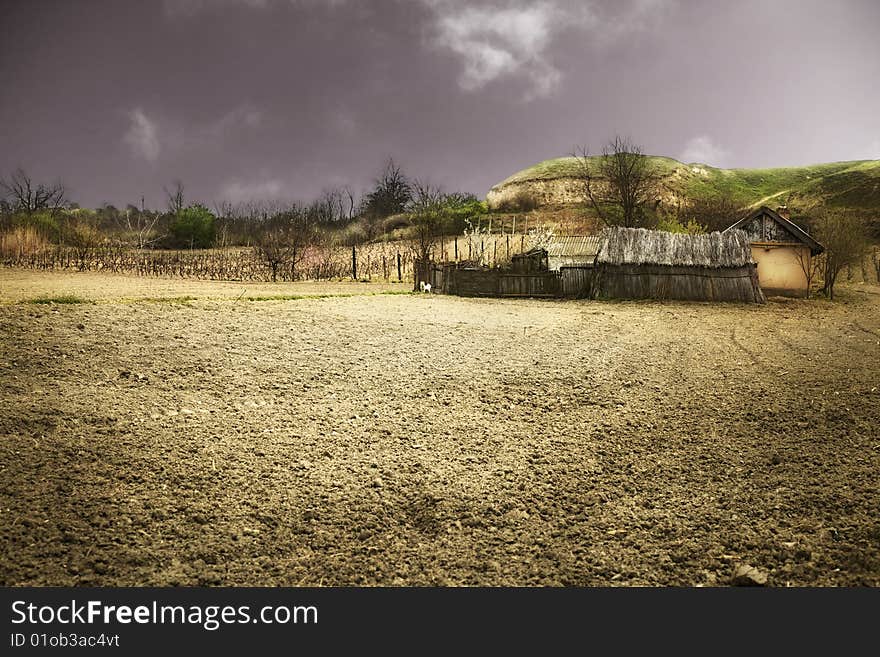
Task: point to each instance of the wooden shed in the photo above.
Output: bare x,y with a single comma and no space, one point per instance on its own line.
530,262
635,263
782,250
572,250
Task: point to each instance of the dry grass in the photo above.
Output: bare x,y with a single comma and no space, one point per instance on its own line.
21,241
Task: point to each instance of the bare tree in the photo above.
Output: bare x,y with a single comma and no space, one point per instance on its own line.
621,184
810,265
24,195
284,239
139,226
845,238
348,200
391,193
225,213
329,207
175,197
426,219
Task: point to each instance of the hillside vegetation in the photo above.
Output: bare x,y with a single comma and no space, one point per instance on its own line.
854,184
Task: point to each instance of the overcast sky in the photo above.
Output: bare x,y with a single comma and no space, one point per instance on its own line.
280,98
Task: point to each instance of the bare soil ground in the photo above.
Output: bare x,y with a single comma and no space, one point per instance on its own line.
431,440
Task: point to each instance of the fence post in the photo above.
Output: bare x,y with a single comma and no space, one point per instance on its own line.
354,263
456,249
399,271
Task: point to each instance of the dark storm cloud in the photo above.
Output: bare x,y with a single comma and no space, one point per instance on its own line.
244,98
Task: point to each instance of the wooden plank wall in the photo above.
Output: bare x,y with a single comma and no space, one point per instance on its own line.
576,280
683,283
501,283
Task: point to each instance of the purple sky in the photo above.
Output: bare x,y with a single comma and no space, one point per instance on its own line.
280,98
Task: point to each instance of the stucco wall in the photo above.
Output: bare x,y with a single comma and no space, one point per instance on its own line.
779,271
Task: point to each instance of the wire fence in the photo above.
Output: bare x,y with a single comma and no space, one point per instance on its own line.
390,261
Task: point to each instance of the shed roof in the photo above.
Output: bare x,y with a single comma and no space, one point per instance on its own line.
574,245
531,253
638,246
796,231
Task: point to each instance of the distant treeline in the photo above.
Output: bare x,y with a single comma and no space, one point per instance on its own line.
336,217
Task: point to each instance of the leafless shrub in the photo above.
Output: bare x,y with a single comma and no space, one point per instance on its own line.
810,265
844,236
83,237
541,236
476,236
175,197
285,238
139,227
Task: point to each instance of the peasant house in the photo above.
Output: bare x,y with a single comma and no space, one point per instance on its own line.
782,250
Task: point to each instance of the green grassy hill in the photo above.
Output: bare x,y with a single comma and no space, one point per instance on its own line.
854,184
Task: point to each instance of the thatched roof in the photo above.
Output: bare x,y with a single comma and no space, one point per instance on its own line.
637,246
574,246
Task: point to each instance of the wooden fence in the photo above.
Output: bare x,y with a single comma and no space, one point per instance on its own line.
500,283
473,281
576,280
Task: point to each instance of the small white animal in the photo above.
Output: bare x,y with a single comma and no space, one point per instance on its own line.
426,287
